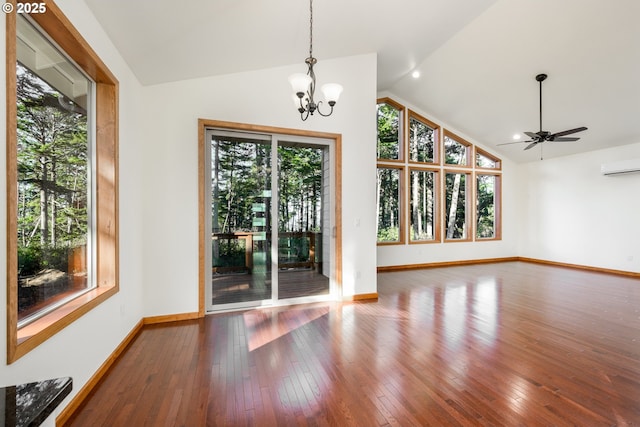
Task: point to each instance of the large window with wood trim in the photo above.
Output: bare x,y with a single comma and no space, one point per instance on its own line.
453,187
390,151
457,187
389,204
390,130
423,205
61,178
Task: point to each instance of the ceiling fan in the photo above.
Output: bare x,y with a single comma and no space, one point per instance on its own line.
543,135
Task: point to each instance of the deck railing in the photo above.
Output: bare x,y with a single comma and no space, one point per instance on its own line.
234,252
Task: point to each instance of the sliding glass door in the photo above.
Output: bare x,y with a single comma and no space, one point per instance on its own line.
269,228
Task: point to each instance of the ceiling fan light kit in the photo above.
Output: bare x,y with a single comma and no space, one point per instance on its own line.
546,136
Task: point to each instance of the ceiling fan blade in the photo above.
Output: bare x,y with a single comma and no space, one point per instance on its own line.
532,135
533,144
565,139
513,142
568,132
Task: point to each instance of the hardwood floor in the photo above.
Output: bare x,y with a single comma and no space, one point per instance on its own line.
507,344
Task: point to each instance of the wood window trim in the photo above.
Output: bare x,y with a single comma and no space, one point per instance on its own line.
401,204
488,155
403,126
497,208
469,216
468,152
203,125
60,29
437,223
437,129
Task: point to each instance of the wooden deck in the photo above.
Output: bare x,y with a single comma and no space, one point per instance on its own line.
510,344
232,288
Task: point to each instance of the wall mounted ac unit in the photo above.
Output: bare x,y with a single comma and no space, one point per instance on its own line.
620,167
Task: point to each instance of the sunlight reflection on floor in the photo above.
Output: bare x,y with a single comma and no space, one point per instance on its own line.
265,326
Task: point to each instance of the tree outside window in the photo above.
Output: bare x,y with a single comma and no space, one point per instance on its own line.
456,205
389,116
54,177
423,205
423,139
486,206
388,205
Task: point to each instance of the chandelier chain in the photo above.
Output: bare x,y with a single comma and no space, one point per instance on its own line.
311,29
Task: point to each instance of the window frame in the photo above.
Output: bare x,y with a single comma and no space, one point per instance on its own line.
470,169
61,32
437,221
469,160
437,143
401,130
469,193
481,152
497,208
401,208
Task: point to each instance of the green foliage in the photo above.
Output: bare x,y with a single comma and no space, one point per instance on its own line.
454,152
35,258
422,204
388,132
29,260
485,226
293,249
421,141
230,253
242,171
52,166
388,190
391,234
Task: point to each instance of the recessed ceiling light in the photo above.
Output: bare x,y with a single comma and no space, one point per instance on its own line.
516,136
415,74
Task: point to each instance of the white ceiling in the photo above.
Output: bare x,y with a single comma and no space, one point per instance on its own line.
478,58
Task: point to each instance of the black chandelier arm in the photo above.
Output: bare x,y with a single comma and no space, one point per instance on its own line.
320,112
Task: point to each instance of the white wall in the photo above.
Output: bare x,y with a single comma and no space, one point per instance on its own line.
263,98
394,255
82,347
574,214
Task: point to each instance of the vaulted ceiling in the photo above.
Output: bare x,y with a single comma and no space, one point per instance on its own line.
478,58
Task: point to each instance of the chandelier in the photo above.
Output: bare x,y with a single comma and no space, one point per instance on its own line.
304,85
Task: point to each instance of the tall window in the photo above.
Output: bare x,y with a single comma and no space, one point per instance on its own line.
389,205
424,205
456,206
54,175
62,179
487,206
390,127
390,151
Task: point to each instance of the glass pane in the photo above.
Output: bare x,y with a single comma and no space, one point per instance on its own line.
485,162
388,223
455,153
486,187
54,170
421,141
389,136
303,189
241,220
456,205
423,205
